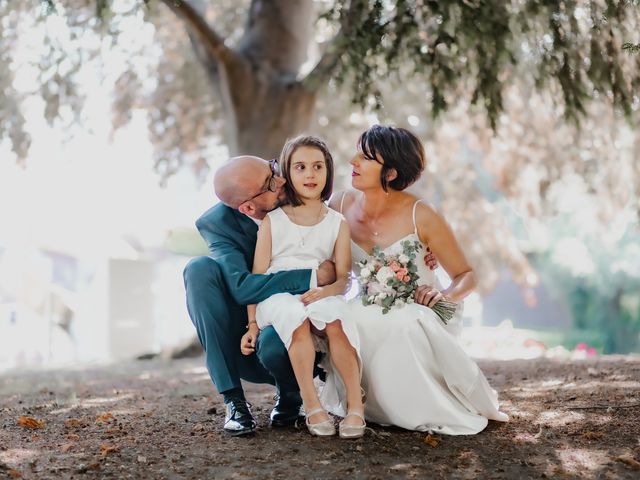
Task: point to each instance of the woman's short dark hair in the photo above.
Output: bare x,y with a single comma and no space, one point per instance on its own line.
285,161
399,148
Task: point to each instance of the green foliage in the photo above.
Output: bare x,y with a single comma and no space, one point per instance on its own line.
601,287
476,45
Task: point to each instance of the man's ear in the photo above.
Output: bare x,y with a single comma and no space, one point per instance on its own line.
247,208
392,174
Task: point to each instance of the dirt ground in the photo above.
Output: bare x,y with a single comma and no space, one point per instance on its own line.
162,419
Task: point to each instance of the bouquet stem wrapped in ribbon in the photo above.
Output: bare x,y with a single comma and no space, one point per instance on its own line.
391,281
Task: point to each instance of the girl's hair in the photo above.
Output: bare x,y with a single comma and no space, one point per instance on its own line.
285,161
400,150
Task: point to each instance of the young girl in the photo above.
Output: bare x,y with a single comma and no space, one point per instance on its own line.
303,234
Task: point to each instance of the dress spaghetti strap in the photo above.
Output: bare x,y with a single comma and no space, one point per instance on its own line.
415,227
344,194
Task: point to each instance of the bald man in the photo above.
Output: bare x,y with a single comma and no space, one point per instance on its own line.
220,286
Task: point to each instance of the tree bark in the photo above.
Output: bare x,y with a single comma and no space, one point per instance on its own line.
272,113
257,81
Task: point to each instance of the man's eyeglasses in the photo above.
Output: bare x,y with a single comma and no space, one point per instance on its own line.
272,184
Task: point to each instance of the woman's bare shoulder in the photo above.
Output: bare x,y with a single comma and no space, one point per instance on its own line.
422,206
342,198
426,212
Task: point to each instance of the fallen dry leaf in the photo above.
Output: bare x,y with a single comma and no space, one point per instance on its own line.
105,417
198,427
592,435
14,474
73,436
66,447
82,468
431,440
629,460
107,449
73,423
30,422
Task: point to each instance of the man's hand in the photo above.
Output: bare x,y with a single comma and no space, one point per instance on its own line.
427,295
430,260
326,273
313,295
249,340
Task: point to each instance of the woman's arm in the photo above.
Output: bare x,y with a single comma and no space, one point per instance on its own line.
261,262
435,232
342,257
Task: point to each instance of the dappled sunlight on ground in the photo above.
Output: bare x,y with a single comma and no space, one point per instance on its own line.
158,419
556,418
582,461
18,455
195,371
93,402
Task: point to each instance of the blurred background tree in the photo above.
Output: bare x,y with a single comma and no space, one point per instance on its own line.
519,103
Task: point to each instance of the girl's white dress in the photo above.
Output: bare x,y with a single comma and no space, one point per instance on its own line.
298,247
414,372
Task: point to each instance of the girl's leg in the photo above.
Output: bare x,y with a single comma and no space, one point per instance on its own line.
344,357
302,354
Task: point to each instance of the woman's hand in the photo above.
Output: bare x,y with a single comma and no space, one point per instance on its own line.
427,295
314,295
249,340
430,260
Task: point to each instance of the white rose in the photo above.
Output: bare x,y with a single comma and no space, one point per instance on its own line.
384,274
365,273
399,302
403,259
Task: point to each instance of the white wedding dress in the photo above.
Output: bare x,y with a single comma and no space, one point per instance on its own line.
415,374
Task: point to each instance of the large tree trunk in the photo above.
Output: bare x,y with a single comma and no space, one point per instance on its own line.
264,101
273,113
257,81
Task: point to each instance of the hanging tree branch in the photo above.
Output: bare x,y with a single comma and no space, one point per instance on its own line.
212,42
330,59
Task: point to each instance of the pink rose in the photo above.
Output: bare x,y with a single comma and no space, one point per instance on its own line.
401,273
395,266
406,278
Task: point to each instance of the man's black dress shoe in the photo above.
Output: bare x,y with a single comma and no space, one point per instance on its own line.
238,419
287,410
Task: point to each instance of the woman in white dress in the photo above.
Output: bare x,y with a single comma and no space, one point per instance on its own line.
415,374
303,234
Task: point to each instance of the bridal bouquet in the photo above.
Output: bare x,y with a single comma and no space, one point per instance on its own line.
391,280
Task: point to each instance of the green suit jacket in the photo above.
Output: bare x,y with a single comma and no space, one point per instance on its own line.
231,237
